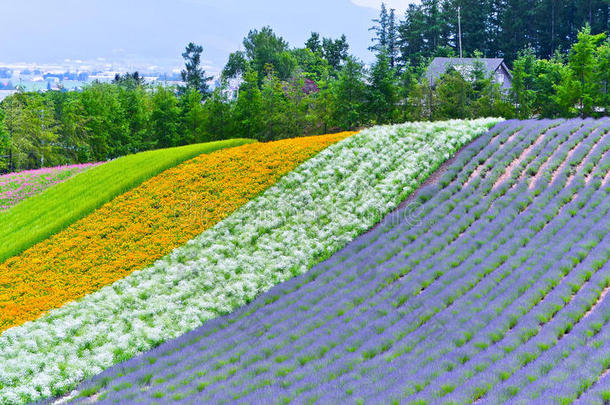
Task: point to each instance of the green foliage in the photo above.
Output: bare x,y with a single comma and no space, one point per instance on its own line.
193,117
265,48
383,94
349,93
193,75
454,97
165,118
523,90
496,28
249,107
40,216
29,120
582,61
4,143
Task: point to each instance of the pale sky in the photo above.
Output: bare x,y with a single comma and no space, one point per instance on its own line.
398,5
156,31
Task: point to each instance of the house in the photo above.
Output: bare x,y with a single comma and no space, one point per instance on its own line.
495,68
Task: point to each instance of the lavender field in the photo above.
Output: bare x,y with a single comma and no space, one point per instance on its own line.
488,285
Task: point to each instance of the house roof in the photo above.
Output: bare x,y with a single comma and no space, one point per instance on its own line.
463,65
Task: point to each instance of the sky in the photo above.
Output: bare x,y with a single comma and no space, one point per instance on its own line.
154,32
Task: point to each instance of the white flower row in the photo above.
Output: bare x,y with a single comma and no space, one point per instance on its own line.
308,214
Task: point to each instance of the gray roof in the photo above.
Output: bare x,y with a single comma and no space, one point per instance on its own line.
463,65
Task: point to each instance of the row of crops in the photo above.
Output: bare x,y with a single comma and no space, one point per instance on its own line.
490,287
15,187
301,220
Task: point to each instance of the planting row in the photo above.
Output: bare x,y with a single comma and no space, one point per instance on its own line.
491,286
303,219
15,187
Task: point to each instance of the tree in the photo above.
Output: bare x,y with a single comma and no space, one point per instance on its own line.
312,65
193,75
548,76
349,95
249,108
582,61
392,48
603,76
313,43
219,116
414,47
106,123
335,51
165,118
522,90
30,123
74,134
454,96
265,48
135,104
4,145
276,115
382,92
236,65
129,80
192,117
381,31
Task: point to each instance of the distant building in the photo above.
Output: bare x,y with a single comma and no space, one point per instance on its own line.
494,67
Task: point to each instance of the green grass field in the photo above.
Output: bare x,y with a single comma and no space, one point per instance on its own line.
40,216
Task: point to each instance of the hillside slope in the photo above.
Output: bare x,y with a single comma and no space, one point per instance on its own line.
40,216
492,289
309,214
144,224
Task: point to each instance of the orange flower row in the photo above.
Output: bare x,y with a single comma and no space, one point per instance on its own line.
146,223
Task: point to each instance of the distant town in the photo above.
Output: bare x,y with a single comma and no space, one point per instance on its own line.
74,74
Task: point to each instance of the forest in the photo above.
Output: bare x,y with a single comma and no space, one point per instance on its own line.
557,51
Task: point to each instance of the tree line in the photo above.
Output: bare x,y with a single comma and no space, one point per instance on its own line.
497,28
320,87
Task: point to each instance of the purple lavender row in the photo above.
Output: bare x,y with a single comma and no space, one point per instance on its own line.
530,341
440,322
570,377
599,393
429,342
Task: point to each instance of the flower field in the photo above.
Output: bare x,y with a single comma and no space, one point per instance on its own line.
15,187
143,225
495,291
303,219
40,216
